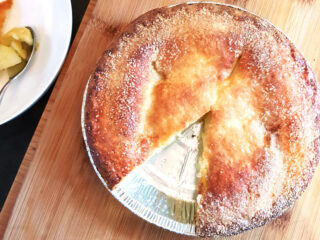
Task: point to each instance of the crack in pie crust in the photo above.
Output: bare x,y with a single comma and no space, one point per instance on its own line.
259,98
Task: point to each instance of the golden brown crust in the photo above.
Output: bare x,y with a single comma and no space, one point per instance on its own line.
173,65
261,144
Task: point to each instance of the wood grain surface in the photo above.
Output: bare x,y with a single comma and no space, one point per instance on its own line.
56,194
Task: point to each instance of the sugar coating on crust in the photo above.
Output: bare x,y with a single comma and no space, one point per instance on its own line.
173,65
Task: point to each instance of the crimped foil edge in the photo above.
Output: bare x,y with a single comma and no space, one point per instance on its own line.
151,216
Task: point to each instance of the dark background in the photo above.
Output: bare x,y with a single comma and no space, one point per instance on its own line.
16,134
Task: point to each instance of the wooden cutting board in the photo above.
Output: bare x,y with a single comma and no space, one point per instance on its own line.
56,194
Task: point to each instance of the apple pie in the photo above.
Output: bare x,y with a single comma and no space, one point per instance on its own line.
254,91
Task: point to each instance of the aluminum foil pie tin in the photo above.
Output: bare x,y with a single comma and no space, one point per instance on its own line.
163,189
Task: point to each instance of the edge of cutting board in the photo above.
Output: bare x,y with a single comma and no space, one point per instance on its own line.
23,169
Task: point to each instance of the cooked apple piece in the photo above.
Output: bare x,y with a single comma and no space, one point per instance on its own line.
21,34
17,46
6,40
8,57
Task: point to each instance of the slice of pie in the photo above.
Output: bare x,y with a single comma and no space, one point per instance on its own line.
257,96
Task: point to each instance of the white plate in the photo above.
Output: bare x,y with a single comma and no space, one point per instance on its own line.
52,22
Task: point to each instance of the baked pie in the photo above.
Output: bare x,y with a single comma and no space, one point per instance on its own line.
254,91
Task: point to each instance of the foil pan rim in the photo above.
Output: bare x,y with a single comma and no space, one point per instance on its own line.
151,216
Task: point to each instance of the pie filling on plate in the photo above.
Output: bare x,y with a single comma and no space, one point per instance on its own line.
256,95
